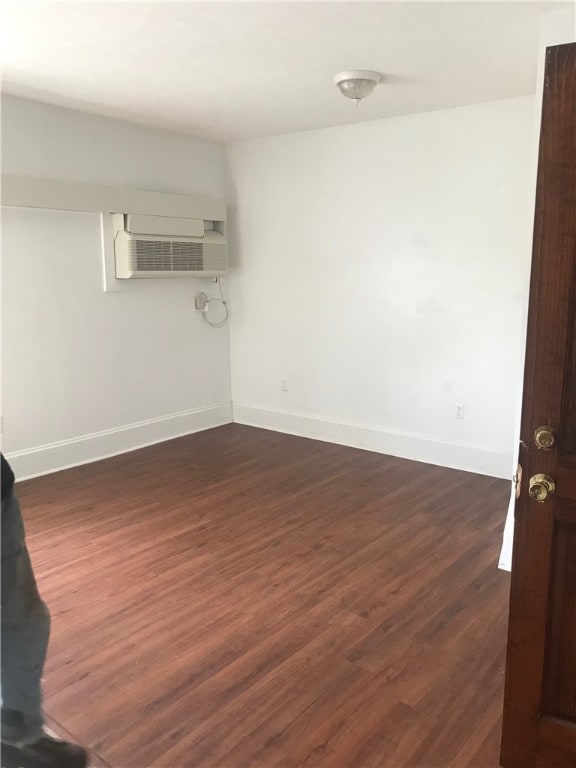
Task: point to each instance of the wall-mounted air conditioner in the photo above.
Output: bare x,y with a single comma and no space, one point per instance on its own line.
166,246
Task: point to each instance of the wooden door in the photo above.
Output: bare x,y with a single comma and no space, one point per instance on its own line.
539,726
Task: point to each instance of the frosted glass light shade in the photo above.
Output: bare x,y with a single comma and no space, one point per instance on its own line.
357,84
357,89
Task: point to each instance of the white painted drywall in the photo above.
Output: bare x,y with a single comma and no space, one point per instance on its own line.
52,142
88,373
556,29
380,272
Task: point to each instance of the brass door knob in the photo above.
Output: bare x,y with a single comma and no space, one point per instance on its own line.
544,438
540,487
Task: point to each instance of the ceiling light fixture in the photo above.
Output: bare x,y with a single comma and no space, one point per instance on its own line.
356,84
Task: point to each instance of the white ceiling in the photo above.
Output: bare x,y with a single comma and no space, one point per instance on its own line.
228,71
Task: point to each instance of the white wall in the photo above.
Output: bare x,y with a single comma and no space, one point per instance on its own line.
52,142
380,271
88,373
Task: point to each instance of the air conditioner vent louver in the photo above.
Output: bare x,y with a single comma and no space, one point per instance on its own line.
166,256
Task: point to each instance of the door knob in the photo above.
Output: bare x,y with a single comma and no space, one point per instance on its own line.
544,438
540,487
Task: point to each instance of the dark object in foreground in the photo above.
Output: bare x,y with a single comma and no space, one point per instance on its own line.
45,753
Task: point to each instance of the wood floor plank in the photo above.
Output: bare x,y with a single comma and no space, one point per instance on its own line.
243,598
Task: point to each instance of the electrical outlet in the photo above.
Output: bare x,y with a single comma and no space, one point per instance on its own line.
284,385
459,411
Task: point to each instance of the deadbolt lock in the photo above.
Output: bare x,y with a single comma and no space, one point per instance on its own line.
541,487
544,438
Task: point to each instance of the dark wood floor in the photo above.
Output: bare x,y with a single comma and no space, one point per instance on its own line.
244,598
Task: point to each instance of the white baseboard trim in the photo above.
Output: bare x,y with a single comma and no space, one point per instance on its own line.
84,449
45,459
470,458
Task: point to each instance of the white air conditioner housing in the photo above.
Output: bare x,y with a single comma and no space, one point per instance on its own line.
166,246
